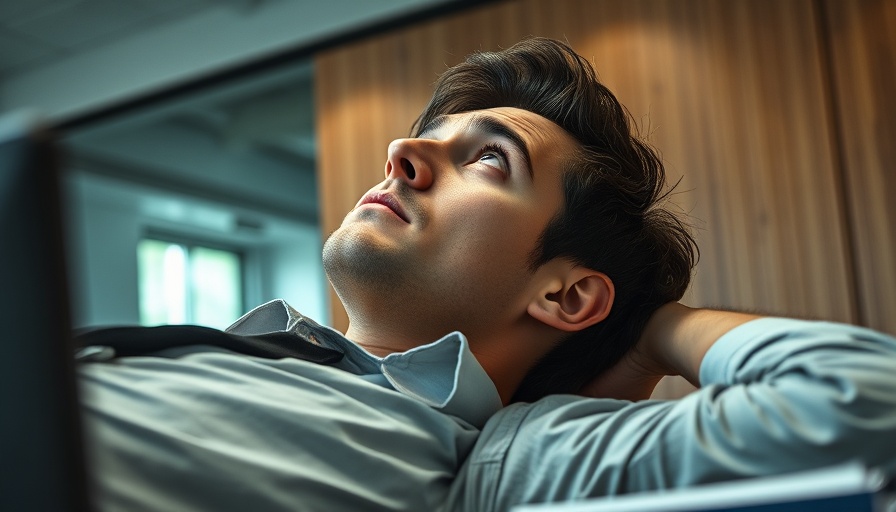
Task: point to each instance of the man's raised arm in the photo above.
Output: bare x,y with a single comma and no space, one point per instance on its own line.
674,342
777,395
677,337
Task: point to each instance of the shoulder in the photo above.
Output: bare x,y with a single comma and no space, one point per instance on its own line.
778,395
536,452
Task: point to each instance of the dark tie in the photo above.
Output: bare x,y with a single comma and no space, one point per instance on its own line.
138,341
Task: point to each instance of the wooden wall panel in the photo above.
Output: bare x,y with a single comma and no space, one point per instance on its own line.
732,93
862,38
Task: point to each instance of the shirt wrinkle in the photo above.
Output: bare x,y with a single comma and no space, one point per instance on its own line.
776,393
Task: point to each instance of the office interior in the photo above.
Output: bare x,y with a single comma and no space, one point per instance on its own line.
250,127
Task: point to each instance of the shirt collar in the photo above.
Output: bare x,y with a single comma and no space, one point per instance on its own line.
443,374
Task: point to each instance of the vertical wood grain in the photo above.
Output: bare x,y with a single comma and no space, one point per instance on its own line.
862,43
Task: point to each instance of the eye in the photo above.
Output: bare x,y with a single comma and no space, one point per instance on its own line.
494,155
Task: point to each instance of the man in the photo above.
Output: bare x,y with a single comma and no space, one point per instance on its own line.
516,250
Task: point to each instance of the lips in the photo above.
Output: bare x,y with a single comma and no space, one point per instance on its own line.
388,200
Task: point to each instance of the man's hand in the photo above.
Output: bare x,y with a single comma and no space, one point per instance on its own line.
673,343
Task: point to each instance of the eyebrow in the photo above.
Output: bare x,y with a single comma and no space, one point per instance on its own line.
489,126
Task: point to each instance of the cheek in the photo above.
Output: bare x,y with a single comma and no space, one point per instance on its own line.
489,234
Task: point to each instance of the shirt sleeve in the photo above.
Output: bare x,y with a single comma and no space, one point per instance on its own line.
777,396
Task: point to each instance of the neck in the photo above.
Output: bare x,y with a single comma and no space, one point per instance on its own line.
382,341
506,370
506,356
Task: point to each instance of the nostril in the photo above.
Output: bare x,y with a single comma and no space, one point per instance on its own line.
408,168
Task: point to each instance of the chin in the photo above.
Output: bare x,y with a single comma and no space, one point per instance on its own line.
354,257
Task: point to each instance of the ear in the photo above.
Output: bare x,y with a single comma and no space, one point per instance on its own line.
580,298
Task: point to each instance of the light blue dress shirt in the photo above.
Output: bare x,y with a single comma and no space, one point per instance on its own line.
777,396
199,428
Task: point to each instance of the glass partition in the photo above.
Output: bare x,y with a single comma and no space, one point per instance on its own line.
231,166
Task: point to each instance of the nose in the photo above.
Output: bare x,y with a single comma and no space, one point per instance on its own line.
411,160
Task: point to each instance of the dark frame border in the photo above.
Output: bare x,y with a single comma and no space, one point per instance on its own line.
263,64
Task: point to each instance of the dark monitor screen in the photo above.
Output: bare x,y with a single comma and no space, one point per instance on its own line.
40,434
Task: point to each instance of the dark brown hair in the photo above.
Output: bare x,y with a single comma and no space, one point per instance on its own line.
612,220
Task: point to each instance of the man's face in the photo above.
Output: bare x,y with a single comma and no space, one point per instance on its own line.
444,241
